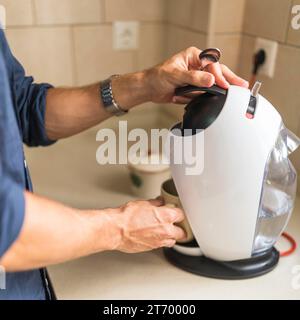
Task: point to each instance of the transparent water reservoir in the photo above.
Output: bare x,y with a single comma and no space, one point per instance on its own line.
278,192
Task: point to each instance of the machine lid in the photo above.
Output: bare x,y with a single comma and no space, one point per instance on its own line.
204,108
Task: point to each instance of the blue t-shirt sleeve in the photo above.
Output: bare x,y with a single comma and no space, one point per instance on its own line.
29,99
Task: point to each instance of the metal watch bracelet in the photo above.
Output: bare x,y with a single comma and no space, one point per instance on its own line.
108,100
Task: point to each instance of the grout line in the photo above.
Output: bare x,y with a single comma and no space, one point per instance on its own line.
228,33
87,24
186,28
279,42
211,23
289,22
103,10
34,12
59,25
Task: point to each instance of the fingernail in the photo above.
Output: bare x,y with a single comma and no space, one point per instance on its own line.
246,84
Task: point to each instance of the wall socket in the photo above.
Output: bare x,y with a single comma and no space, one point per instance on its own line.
270,48
125,35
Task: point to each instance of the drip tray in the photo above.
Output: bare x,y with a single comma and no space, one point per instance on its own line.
240,269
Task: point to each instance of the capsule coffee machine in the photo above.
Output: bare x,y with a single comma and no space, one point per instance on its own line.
240,202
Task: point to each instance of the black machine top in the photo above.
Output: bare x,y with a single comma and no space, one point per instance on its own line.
204,108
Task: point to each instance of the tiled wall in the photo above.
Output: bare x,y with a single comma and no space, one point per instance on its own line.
271,19
69,42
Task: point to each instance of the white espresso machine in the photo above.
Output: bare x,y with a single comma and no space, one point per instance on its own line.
240,199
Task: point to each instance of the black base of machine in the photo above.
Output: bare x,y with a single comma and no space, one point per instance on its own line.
241,269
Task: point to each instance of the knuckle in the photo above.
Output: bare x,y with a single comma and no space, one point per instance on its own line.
130,204
192,48
168,231
194,77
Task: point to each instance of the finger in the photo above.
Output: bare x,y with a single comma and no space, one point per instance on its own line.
216,70
158,202
194,61
197,78
181,100
170,215
178,233
233,78
169,243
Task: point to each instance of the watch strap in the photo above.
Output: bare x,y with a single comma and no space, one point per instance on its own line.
108,99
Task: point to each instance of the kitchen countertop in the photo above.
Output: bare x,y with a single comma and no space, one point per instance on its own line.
114,275
68,172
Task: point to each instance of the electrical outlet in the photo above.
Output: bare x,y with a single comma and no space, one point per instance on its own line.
270,48
126,34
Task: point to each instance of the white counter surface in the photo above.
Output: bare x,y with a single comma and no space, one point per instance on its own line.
68,172
114,275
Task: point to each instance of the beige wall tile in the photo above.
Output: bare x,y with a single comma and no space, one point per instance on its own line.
94,55
246,56
179,38
229,15
230,47
180,12
293,36
267,18
143,10
45,53
68,11
282,90
201,15
152,45
18,12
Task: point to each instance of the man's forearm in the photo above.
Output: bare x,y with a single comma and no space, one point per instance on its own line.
53,233
72,110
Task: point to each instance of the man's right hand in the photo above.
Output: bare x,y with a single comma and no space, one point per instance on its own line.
146,225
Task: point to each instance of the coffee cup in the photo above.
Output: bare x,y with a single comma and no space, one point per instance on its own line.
171,199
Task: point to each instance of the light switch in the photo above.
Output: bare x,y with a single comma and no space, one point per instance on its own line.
126,34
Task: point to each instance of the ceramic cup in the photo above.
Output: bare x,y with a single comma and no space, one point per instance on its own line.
171,198
146,179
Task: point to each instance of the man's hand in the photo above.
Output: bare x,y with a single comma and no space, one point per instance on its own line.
183,69
147,225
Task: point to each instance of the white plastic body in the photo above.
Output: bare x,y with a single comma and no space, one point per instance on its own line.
222,202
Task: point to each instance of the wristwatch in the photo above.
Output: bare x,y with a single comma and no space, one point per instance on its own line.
108,99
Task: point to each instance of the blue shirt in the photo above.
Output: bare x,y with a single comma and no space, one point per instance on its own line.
22,111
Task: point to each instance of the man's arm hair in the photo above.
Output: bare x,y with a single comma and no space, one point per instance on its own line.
54,233
73,110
